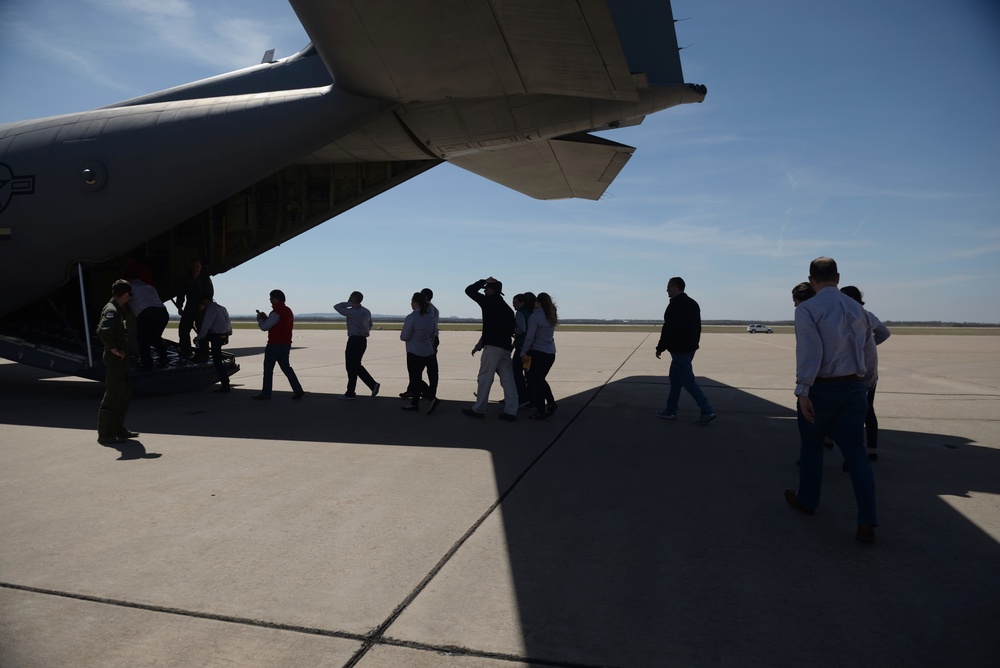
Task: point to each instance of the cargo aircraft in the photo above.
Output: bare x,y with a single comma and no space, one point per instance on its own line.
228,167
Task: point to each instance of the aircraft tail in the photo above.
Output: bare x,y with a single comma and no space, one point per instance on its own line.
647,35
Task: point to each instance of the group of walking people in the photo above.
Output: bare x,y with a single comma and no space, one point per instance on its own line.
518,346
836,362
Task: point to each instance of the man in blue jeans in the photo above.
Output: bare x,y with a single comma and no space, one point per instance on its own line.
831,332
680,336
278,324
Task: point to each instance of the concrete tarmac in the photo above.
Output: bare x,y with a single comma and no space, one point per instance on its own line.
324,532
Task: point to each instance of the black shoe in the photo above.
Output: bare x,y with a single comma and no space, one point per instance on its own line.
473,414
873,456
261,397
348,397
109,440
866,533
554,407
127,434
221,389
410,407
299,394
507,417
405,395
793,500
435,402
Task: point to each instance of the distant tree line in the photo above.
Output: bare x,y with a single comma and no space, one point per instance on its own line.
326,317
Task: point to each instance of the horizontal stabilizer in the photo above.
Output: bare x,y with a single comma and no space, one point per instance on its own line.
580,166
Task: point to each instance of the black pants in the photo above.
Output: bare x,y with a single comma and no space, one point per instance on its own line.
432,375
871,422
537,385
191,318
215,342
149,331
355,352
415,365
519,380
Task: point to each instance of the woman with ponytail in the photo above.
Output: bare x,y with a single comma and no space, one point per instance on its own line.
540,347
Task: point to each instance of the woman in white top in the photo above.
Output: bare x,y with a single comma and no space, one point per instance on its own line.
540,346
418,333
879,334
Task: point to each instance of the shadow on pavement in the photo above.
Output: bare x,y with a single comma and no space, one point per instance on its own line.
641,542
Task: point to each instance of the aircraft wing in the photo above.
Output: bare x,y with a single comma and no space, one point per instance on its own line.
419,50
580,166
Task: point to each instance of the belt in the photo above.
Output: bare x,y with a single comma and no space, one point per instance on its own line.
839,379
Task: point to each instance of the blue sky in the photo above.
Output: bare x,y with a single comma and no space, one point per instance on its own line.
861,130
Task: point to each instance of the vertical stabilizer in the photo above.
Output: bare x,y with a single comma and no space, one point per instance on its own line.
648,38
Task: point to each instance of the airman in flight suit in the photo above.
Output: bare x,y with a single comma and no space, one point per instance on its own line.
117,387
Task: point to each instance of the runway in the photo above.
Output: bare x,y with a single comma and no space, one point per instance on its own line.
323,532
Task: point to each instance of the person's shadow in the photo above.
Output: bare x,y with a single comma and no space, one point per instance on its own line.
130,450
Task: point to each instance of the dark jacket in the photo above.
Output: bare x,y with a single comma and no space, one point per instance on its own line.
195,291
681,331
498,317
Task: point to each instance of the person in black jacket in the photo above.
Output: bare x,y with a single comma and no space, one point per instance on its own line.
498,334
680,336
197,288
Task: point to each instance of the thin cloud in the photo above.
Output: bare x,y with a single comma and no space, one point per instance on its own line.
690,232
937,281
826,185
152,8
973,252
862,223
213,35
72,57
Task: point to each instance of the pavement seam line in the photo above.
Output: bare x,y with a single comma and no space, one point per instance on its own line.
185,613
376,636
454,650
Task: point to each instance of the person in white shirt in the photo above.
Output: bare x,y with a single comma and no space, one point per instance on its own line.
418,334
879,334
216,328
359,325
831,335
151,319
540,348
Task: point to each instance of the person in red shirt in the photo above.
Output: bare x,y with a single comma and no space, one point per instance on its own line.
278,325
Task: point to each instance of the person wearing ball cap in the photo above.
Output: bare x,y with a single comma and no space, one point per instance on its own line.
498,334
